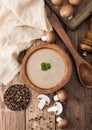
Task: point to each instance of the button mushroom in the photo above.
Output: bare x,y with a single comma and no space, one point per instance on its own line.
75,2
43,100
61,95
56,2
67,11
50,37
57,108
62,123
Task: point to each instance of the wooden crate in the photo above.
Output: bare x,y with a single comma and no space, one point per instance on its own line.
82,12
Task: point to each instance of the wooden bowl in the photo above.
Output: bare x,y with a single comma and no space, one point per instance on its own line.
67,73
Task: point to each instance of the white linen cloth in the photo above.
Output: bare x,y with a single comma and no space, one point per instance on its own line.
21,22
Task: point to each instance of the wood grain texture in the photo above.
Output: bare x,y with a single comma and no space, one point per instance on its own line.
79,96
10,120
39,119
78,109
81,13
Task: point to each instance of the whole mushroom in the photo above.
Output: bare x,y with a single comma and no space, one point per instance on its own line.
49,37
66,11
56,2
57,108
61,95
43,100
75,2
62,123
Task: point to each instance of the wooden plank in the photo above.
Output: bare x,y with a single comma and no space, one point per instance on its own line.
70,90
81,13
86,102
10,120
75,105
78,108
39,119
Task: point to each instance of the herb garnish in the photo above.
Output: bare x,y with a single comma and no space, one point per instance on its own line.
45,66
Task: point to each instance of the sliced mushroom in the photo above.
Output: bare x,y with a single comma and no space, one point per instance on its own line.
43,100
56,2
61,95
75,2
50,37
67,11
62,123
57,108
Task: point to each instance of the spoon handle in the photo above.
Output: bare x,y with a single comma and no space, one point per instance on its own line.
59,29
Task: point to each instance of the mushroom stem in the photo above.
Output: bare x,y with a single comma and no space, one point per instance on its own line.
61,95
84,53
70,17
56,98
48,37
58,119
62,123
41,104
44,38
52,109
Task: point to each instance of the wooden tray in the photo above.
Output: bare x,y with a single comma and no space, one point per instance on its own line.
81,13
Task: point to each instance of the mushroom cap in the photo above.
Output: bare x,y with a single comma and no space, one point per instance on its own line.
66,11
44,97
56,2
75,2
62,95
59,108
63,123
50,36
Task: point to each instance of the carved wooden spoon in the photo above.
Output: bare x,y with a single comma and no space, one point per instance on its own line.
83,68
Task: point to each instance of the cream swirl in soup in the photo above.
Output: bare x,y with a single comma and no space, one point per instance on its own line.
45,79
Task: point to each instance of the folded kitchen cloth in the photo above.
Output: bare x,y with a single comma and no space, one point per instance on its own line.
21,22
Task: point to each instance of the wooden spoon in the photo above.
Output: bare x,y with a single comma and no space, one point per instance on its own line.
83,68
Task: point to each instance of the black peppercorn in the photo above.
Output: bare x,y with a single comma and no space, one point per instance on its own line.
17,97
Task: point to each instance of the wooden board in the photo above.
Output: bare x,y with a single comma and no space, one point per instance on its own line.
81,13
78,108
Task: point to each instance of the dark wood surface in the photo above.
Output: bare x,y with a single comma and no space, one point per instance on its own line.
83,11
78,109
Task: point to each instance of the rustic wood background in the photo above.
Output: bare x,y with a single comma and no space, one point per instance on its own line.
83,11
78,109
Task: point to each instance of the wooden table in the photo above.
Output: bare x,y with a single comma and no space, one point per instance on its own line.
78,109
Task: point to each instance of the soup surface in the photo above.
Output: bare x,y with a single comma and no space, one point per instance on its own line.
49,78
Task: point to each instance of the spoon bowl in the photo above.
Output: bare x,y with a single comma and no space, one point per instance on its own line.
85,73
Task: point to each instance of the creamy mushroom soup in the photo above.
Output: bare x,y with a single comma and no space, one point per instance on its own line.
52,76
